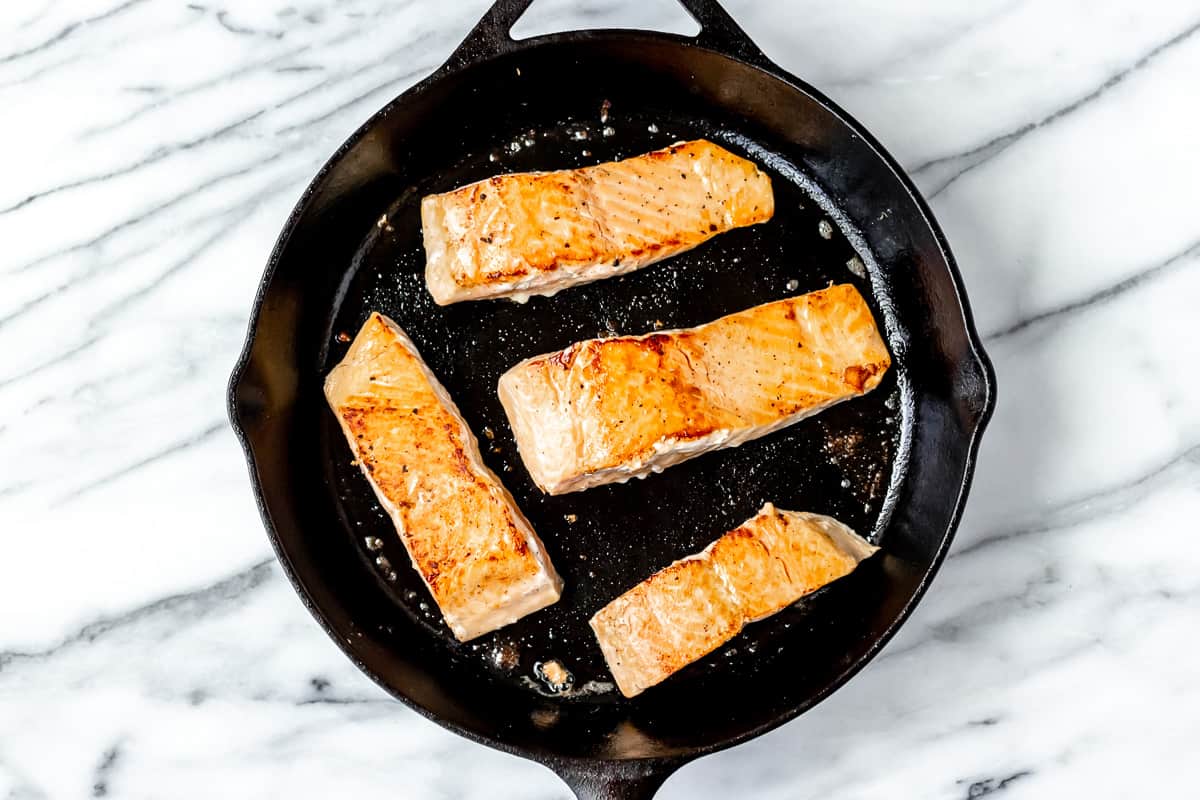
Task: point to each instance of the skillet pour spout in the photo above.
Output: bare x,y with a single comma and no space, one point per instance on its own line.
913,441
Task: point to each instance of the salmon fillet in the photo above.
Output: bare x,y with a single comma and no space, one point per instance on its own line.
481,560
607,410
683,612
537,232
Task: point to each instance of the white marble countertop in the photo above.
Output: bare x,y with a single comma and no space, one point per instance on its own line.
149,646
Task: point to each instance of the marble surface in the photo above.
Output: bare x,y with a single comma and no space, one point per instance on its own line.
149,646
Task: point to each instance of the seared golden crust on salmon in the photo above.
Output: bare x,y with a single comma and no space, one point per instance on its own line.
481,560
606,410
685,611
537,232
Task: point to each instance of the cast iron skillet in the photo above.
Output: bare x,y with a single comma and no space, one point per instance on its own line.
895,465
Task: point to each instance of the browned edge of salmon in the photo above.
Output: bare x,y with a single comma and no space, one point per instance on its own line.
606,410
685,611
472,546
530,233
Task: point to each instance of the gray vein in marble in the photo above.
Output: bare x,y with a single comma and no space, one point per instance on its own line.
222,18
985,722
23,788
16,487
108,380
232,216
981,154
218,80
142,216
38,72
1063,517
989,786
35,16
68,30
255,66
1041,593
1180,260
156,155
108,762
73,58
185,606
942,38
73,282
299,68
419,71
174,448
166,98
978,615
1081,510
238,212
47,363
165,151
346,701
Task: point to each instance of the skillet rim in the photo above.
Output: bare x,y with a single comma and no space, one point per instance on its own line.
572,765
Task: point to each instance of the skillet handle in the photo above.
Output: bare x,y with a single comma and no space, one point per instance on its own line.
719,32
492,35
625,780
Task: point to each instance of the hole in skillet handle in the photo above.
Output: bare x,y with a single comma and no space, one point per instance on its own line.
492,35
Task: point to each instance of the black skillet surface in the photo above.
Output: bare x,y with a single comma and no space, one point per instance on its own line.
894,465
